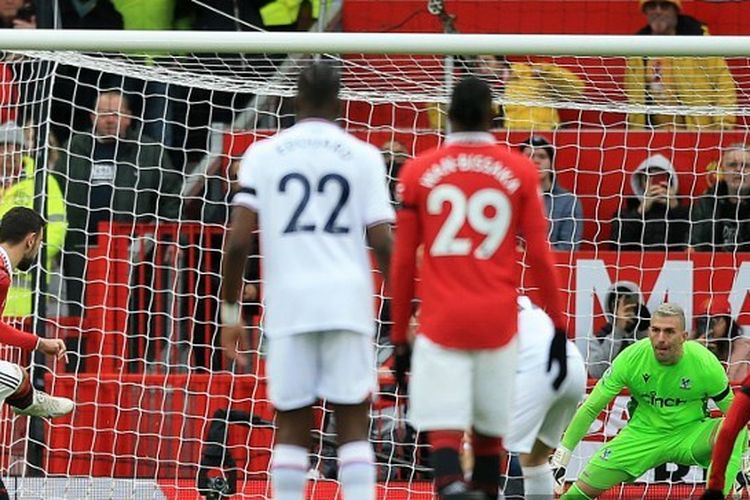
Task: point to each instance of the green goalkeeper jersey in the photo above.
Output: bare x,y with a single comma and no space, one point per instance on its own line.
665,398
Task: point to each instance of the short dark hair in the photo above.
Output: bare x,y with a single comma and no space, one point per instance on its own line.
471,104
18,223
318,85
539,142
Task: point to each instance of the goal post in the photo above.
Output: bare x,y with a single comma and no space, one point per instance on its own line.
141,132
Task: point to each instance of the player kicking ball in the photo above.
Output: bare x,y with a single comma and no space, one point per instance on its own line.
318,196
540,413
20,238
670,380
467,202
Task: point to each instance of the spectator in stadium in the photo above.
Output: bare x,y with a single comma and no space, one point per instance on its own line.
111,174
18,14
519,81
677,81
562,208
654,219
716,327
721,216
628,321
394,154
89,14
18,191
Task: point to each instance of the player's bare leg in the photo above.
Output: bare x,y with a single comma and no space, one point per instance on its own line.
357,472
537,473
290,460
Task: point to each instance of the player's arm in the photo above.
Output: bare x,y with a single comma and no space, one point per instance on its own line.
403,272
237,248
533,226
736,419
380,240
379,215
605,390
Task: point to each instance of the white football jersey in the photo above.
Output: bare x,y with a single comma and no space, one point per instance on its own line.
535,332
316,189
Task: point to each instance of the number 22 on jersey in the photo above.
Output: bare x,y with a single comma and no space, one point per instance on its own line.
472,211
331,226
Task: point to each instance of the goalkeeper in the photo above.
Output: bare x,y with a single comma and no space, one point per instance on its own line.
670,381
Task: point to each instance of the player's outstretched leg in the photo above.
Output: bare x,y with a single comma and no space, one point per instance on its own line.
26,400
357,472
289,462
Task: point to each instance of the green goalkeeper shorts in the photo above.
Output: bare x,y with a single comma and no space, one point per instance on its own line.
635,452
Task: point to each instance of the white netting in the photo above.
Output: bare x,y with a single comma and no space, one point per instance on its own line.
134,278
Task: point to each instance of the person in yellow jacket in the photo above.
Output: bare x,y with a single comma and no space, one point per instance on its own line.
678,81
18,190
543,83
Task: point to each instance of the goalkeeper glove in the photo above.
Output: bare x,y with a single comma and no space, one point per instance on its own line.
402,364
558,353
559,464
712,495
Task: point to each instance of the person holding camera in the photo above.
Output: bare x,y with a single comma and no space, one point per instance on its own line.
654,220
628,321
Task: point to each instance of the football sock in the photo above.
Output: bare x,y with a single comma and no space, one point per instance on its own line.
445,460
24,395
289,472
486,474
538,480
575,493
357,473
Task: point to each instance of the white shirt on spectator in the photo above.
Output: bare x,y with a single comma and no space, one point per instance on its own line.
316,189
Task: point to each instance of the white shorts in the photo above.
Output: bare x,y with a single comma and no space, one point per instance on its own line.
455,389
540,412
11,376
338,366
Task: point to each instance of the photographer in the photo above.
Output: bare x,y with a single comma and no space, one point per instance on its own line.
653,220
628,321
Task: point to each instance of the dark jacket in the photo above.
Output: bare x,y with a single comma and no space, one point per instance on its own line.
565,218
658,229
719,224
145,185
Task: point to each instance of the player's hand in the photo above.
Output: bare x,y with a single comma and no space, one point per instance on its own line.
53,347
712,495
232,337
558,353
559,465
402,364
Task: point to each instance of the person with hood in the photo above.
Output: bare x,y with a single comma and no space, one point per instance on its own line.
653,220
723,336
628,321
678,81
721,216
562,208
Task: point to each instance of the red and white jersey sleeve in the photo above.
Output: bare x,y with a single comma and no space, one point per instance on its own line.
8,334
468,201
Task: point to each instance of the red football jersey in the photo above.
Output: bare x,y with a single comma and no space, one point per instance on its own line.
8,334
466,202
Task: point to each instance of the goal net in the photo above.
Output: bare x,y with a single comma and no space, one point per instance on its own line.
134,157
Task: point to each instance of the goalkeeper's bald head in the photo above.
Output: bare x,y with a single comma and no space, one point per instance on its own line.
318,88
471,106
